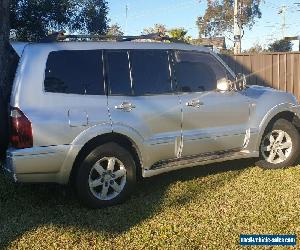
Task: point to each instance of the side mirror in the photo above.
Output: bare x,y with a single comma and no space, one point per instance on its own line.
224,85
240,81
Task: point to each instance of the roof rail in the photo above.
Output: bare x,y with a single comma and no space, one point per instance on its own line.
60,36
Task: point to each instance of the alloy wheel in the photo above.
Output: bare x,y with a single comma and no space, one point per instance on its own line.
107,178
276,146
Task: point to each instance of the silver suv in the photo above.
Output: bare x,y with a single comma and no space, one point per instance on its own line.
102,114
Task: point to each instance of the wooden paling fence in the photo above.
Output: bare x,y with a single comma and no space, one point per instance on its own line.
277,70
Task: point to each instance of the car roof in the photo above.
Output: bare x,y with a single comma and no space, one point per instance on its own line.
116,45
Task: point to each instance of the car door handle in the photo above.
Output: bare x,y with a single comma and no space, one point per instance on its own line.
194,103
125,106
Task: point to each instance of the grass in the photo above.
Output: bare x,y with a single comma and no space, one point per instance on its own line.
200,208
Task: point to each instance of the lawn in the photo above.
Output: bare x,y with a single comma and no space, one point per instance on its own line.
205,207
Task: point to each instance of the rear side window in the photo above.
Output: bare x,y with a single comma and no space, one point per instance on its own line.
150,72
197,72
75,72
118,73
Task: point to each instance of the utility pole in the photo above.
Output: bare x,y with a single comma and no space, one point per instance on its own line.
282,12
237,28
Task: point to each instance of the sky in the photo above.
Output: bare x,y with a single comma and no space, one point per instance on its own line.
183,13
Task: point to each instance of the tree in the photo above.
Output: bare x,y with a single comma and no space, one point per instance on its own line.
33,19
281,46
5,62
4,45
176,33
256,48
158,28
114,30
179,34
218,17
91,17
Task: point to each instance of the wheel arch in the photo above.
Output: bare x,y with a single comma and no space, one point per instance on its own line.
288,114
118,138
285,119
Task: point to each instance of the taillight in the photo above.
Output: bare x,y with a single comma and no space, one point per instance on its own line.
20,130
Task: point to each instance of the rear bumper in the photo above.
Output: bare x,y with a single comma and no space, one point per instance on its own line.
9,170
37,164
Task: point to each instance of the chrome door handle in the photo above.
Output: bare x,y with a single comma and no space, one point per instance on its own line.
125,106
194,103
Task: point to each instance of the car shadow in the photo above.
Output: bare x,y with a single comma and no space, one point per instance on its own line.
27,207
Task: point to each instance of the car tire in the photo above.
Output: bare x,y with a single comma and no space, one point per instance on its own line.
280,145
106,177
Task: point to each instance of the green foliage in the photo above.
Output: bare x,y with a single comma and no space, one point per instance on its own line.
115,30
33,19
179,34
158,28
91,17
218,17
256,48
281,46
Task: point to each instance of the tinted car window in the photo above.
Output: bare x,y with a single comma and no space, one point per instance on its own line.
75,72
150,72
197,72
118,73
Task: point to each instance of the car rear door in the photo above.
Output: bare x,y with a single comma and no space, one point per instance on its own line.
142,102
212,120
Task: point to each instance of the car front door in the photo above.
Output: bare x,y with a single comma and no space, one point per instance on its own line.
212,120
142,102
